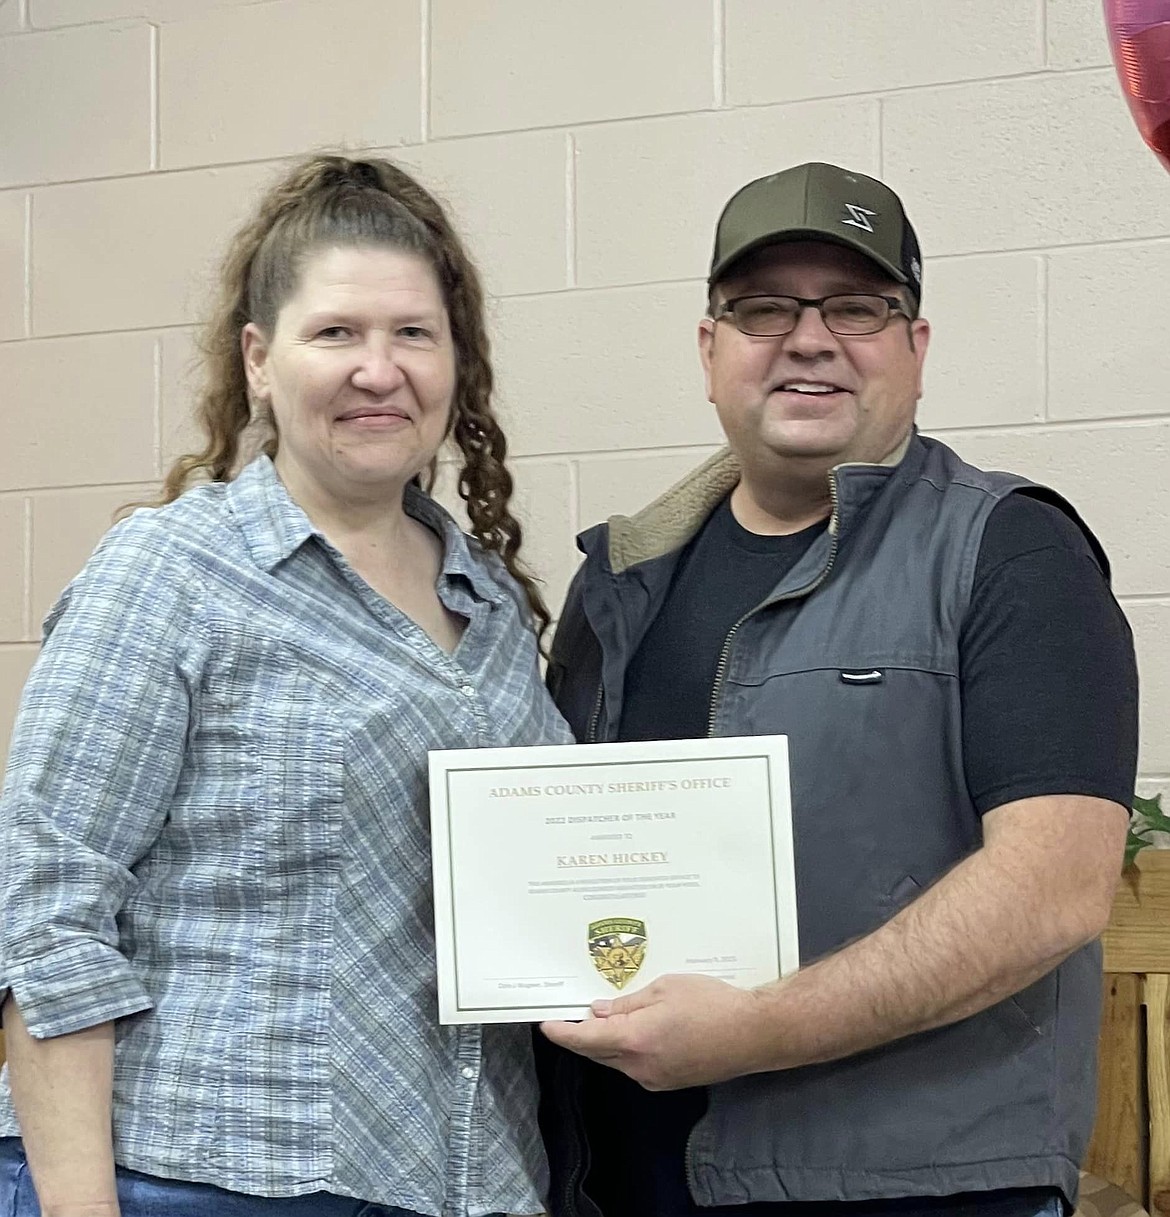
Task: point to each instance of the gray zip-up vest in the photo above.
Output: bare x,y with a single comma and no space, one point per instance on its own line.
856,658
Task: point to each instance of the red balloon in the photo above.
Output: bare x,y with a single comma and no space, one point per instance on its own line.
1139,33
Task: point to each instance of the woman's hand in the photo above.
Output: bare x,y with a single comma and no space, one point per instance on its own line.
82,1209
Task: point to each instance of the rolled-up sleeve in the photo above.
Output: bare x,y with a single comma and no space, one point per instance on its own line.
96,752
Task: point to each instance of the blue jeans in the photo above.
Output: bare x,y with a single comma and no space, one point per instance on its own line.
149,1196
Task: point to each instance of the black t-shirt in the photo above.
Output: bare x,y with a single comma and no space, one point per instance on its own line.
1049,703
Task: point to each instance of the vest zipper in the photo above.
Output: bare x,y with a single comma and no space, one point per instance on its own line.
595,717
725,653
574,1184
717,687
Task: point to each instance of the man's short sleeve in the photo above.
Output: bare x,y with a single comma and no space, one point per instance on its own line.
1049,680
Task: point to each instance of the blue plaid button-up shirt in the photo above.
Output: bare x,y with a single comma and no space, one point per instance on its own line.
215,831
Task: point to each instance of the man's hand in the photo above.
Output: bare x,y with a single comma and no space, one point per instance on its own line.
1040,887
678,1031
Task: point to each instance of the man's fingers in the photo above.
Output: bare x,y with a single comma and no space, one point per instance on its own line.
591,1038
626,1004
563,1034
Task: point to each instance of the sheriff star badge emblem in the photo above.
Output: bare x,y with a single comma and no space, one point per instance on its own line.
617,946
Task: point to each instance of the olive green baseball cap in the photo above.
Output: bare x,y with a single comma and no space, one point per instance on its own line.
819,202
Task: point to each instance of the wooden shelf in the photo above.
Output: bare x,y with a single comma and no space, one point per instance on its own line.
1131,1141
1138,937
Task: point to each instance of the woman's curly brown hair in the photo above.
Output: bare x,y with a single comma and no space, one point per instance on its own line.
334,201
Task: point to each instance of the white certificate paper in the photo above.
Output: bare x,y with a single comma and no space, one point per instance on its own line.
573,872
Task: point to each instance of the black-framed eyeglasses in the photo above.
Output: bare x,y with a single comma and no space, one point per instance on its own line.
848,315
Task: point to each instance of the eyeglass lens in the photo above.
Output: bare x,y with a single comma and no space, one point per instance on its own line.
773,316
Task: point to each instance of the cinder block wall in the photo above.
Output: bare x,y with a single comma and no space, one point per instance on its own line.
586,149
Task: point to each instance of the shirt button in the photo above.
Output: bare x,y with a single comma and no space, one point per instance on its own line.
468,1072
467,690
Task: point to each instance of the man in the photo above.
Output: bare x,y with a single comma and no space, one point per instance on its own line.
958,688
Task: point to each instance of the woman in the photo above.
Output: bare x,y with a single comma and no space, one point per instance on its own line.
216,875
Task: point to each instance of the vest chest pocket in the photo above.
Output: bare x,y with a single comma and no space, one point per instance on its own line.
878,786
879,714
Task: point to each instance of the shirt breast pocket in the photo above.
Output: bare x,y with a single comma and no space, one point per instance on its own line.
267,755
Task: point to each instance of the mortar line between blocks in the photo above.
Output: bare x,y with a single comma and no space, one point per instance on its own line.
154,98
67,334
156,442
26,627
719,58
424,74
134,486
28,278
590,456
951,434
881,136
1045,373
570,209
1055,425
574,497
1140,598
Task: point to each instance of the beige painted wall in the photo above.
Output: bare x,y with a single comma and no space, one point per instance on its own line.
586,147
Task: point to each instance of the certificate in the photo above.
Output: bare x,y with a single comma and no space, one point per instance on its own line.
572,872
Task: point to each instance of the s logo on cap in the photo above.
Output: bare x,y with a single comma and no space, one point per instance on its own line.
860,217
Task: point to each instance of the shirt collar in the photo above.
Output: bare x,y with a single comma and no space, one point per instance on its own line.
274,527
462,555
